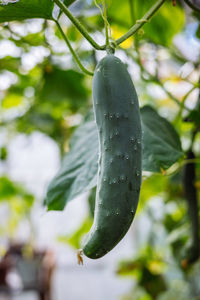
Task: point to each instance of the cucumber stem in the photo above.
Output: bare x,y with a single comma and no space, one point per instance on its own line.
105,22
141,22
78,25
72,51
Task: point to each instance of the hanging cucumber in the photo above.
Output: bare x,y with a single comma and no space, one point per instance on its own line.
119,127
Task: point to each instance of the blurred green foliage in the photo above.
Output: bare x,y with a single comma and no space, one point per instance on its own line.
18,202
43,90
75,238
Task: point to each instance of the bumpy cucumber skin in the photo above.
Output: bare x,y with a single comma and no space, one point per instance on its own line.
117,116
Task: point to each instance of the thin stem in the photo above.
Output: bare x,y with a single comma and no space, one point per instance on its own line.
73,52
170,95
133,20
192,6
154,79
132,11
158,82
190,191
105,22
141,22
175,168
182,105
78,25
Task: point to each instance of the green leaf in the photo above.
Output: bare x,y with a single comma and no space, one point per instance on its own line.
151,186
78,171
161,142
163,26
63,87
26,9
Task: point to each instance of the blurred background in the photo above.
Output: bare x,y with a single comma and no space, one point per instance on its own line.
44,97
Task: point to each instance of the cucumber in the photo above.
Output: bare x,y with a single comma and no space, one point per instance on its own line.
117,117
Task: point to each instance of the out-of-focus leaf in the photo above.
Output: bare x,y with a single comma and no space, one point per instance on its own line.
58,95
161,29
74,239
3,153
194,116
19,202
162,146
31,39
165,24
63,87
178,233
151,186
9,190
25,9
148,268
178,289
11,100
10,64
78,171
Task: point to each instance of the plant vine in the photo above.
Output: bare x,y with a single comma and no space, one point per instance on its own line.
75,56
130,32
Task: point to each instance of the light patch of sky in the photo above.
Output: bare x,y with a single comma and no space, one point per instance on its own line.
34,25
134,71
66,221
30,156
7,79
74,120
163,54
187,42
34,56
180,89
19,28
5,2
186,69
58,45
64,61
155,91
93,281
29,92
192,99
14,112
29,26
8,48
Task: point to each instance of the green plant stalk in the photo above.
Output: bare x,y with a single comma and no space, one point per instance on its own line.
182,105
78,25
133,20
134,28
141,22
73,52
169,94
189,178
105,22
192,6
132,11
